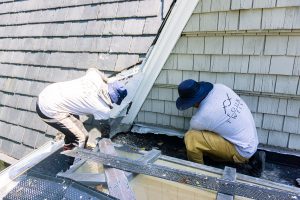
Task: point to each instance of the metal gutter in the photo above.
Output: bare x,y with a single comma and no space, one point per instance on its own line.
239,177
11,173
229,187
228,174
217,171
168,37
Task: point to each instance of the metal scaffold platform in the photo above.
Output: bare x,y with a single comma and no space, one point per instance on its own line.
112,171
226,186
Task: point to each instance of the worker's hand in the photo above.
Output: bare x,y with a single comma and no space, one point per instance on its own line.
104,77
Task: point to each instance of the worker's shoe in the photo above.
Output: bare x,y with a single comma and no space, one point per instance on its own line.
69,146
257,163
90,146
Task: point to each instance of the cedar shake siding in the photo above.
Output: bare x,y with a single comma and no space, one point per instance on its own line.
252,46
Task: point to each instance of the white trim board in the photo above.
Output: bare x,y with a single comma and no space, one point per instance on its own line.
169,35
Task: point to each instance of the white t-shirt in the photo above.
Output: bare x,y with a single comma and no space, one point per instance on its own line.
225,113
79,97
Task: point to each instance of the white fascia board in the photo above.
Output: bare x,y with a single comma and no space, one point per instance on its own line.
169,35
12,172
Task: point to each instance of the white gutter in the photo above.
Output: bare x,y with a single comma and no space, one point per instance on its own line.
169,35
8,176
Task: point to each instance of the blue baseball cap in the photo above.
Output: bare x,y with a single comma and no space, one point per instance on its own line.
117,92
191,92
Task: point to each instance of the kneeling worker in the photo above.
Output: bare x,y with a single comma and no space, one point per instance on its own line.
222,127
60,104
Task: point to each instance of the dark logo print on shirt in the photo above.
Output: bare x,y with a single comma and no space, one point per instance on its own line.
232,107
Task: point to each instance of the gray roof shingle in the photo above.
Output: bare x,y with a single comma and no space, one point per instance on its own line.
49,41
20,133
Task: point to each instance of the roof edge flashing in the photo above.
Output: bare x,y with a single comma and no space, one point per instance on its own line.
9,174
145,128
168,37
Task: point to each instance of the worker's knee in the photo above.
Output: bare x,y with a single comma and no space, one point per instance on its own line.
189,136
191,139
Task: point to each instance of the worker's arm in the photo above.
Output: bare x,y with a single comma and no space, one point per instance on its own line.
198,123
103,76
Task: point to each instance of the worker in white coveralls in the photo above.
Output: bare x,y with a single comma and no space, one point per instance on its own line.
60,104
222,127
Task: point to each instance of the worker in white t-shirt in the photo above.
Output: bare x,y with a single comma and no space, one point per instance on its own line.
222,127
60,104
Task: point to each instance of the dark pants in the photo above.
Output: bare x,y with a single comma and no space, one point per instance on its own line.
70,126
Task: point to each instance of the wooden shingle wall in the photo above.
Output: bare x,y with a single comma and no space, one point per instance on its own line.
252,46
46,41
